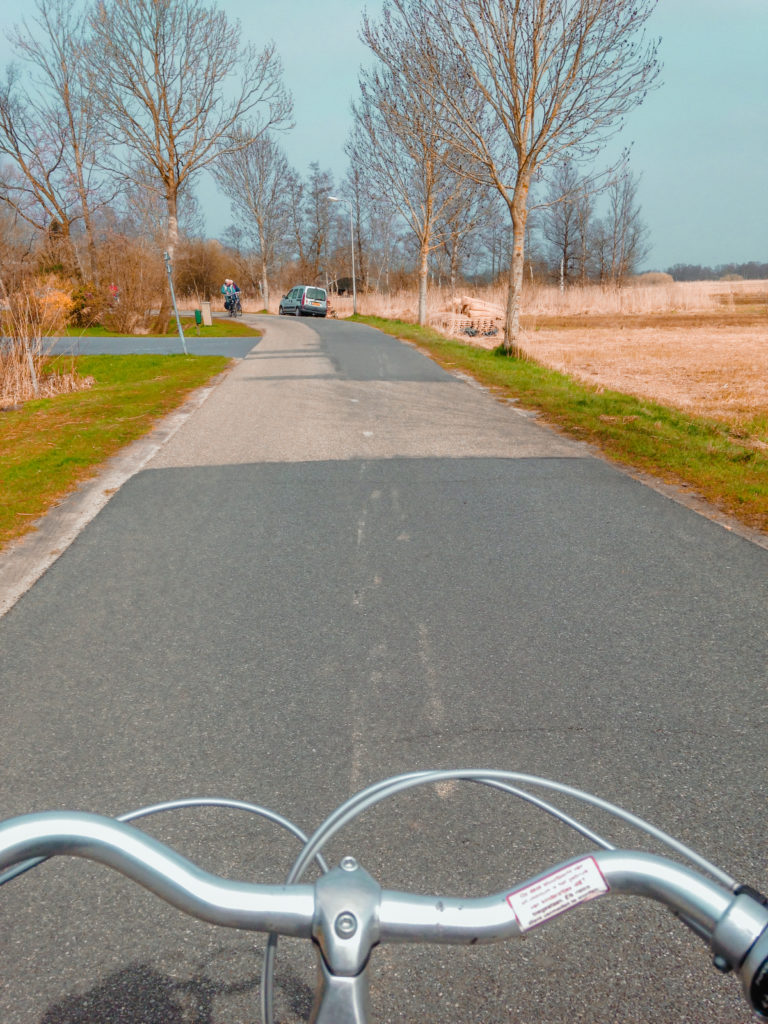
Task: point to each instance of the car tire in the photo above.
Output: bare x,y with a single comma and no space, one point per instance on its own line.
298,312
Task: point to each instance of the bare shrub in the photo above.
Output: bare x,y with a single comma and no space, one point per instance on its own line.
136,278
200,267
42,305
90,303
32,315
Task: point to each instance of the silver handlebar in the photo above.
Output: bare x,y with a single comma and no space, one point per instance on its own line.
287,910
346,913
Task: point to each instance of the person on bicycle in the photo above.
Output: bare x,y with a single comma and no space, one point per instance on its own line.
231,293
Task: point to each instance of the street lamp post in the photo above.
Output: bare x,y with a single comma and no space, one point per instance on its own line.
336,199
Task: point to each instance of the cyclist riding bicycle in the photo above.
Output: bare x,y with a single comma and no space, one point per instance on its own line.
231,294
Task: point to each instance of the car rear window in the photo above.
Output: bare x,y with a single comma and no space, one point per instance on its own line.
316,293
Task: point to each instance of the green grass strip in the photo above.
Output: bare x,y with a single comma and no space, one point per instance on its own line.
726,464
49,446
225,327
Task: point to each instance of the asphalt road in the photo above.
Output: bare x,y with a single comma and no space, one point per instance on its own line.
235,347
347,564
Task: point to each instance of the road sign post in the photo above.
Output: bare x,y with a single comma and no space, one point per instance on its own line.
168,267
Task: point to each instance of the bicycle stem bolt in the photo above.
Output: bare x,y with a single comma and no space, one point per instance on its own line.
349,864
345,925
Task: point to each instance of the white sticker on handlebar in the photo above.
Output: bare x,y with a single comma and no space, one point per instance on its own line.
554,894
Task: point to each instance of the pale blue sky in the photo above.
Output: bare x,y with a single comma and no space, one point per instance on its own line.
700,141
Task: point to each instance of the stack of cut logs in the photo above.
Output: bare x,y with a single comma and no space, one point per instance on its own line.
471,318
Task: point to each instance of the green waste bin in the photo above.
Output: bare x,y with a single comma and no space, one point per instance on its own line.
198,317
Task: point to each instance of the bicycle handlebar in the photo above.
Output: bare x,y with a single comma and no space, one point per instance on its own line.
346,912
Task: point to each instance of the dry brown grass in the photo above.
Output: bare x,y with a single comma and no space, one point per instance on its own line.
640,299
706,369
701,347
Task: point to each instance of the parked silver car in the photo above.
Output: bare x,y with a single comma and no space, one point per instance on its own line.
304,300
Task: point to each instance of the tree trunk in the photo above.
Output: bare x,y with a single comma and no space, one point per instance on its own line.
423,272
264,284
263,250
362,263
519,211
172,240
82,191
93,259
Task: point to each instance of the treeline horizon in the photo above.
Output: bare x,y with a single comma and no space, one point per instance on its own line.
751,271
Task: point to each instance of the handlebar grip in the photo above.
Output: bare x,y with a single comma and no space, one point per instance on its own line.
751,911
755,977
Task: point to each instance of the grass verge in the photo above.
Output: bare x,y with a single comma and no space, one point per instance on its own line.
224,327
725,464
49,446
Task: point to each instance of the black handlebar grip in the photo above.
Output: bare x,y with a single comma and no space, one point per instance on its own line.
754,970
758,990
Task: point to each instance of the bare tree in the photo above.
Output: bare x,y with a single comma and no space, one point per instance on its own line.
496,235
554,77
318,220
383,223
17,245
295,187
254,179
399,140
468,208
174,83
28,174
49,128
559,223
565,220
626,234
584,206
356,187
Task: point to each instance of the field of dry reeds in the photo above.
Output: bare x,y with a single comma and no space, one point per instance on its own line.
697,346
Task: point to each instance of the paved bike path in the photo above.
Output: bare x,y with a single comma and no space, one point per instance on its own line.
345,564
